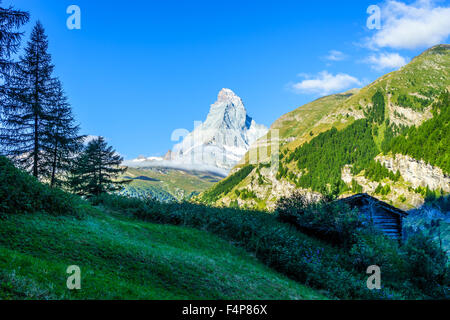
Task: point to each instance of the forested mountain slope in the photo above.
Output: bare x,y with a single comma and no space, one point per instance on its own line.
390,139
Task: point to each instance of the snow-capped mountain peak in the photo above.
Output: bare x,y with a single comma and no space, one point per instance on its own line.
225,136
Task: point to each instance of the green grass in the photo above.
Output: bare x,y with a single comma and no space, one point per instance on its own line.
121,258
303,119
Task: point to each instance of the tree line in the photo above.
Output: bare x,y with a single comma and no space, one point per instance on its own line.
322,159
38,131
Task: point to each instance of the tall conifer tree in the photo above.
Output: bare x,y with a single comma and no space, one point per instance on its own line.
27,104
61,140
97,169
10,22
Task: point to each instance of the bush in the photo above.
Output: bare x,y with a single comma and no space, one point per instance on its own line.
332,222
416,269
375,249
426,266
22,193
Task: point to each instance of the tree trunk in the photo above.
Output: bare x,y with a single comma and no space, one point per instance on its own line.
55,156
36,145
36,122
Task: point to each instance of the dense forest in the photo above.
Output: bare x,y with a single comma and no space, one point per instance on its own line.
322,159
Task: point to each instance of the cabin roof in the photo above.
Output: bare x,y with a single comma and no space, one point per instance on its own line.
364,196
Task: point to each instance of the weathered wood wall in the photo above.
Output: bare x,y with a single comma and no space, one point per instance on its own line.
384,217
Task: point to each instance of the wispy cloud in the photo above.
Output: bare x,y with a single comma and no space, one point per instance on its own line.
417,25
384,61
325,83
335,55
175,165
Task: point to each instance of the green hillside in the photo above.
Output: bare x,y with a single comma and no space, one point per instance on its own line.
129,248
119,256
300,122
340,144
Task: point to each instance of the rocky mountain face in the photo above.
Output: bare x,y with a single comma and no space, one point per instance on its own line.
400,122
168,155
416,172
223,139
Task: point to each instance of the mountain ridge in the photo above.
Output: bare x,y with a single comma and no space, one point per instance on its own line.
391,105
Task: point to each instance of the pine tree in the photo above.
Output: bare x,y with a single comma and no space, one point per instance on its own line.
27,103
10,21
61,140
97,169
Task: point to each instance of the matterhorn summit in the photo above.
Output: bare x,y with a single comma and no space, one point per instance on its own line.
223,139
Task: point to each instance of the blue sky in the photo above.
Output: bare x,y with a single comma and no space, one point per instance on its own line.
140,69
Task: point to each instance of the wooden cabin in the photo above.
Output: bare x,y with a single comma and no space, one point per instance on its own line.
383,216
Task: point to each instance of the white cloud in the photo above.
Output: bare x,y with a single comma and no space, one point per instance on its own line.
175,165
90,138
386,61
418,25
326,83
335,55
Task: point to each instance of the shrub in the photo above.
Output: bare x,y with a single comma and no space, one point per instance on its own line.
22,193
373,248
416,269
332,222
426,266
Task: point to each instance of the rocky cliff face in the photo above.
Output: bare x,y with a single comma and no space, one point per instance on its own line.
224,138
401,196
416,172
265,190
